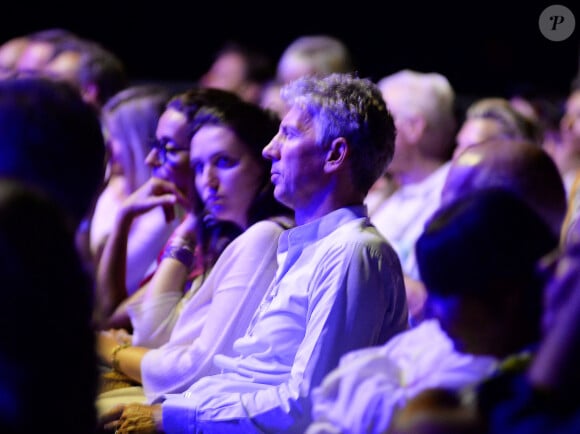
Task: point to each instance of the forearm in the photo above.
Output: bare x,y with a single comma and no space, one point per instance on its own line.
128,361
170,276
110,289
120,355
149,233
155,315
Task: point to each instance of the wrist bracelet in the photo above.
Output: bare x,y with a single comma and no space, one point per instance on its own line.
114,359
181,241
181,253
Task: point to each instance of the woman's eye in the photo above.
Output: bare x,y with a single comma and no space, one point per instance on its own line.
197,167
225,162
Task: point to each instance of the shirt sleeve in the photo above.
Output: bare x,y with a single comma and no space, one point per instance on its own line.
370,384
154,320
237,283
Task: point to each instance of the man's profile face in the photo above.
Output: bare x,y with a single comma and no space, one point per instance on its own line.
297,160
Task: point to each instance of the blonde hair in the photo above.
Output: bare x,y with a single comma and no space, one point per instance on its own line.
513,124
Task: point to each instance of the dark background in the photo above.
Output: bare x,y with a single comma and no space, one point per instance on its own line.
484,48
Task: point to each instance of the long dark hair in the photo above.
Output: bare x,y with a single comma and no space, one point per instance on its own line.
255,127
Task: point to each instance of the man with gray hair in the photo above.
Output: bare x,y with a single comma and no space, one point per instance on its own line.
339,285
422,105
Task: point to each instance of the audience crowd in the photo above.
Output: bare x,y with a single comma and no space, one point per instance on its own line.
282,245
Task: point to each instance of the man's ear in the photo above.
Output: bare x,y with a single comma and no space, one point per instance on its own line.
415,128
336,155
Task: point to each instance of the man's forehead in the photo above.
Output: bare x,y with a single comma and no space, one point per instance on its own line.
297,117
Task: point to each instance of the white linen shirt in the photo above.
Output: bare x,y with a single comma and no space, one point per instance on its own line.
402,216
339,287
361,395
192,330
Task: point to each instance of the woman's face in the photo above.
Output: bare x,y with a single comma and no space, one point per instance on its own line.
227,176
169,157
476,130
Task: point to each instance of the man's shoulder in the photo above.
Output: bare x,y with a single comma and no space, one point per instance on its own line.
362,234
270,225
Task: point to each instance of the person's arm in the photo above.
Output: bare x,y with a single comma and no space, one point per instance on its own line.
110,289
115,350
155,313
223,307
149,233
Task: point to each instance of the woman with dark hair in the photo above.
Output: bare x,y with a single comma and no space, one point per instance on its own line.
206,287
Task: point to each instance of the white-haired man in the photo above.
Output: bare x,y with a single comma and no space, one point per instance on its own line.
422,105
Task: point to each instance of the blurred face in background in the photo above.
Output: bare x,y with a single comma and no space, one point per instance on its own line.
570,123
476,130
34,57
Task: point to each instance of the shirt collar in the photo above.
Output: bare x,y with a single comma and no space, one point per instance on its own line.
320,228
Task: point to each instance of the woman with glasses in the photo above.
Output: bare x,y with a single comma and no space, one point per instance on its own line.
129,121
219,261
139,232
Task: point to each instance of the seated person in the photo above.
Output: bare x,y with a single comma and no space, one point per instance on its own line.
422,104
129,256
383,378
241,69
495,118
129,122
51,139
179,324
339,285
41,277
533,397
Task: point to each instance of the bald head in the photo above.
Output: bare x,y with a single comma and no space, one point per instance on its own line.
518,166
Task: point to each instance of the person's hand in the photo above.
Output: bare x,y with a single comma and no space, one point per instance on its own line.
155,192
120,336
133,418
186,229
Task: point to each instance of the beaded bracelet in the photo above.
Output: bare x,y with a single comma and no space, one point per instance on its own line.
114,360
181,253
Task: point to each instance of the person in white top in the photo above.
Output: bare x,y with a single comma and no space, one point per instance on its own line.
120,264
339,284
422,105
193,309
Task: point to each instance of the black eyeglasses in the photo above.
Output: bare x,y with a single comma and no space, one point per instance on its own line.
167,149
